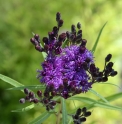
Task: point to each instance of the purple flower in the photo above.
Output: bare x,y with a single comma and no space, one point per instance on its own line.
69,67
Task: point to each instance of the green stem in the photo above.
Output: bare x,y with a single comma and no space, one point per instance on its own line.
59,114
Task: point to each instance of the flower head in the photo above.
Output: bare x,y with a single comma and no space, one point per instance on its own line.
69,67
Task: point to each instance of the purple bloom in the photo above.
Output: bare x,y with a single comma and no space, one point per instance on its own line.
69,67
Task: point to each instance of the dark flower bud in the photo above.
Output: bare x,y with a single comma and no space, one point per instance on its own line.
83,119
108,57
35,100
58,16
53,103
79,32
65,95
99,79
73,29
55,30
85,65
60,23
76,116
84,41
100,74
51,35
62,37
39,93
79,38
72,88
61,87
84,110
78,25
78,90
92,68
46,94
113,73
38,47
22,100
31,95
34,41
104,79
53,93
27,98
78,112
68,34
46,101
87,60
36,36
82,49
86,114
110,65
26,91
45,40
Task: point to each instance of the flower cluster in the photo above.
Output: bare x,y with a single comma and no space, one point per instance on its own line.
45,98
80,115
69,67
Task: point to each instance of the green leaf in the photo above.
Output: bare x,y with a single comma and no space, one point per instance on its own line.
94,103
29,87
70,119
97,94
111,84
44,55
10,81
40,118
83,99
64,43
24,109
64,112
114,96
98,37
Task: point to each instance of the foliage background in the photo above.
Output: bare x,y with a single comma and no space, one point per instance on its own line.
19,60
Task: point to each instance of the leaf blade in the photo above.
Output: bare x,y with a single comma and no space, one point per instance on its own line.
97,94
29,87
40,118
98,37
10,81
94,103
24,109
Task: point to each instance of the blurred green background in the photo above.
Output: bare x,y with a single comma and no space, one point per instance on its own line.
19,59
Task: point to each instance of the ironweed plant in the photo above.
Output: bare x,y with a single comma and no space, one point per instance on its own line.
68,69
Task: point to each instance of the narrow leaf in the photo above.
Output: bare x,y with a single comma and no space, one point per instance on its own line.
64,112
112,84
109,98
40,118
95,103
24,109
83,99
114,96
10,81
98,37
97,94
29,87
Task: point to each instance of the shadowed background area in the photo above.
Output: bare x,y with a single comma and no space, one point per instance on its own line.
19,59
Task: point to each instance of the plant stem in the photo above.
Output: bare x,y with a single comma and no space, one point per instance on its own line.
59,114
